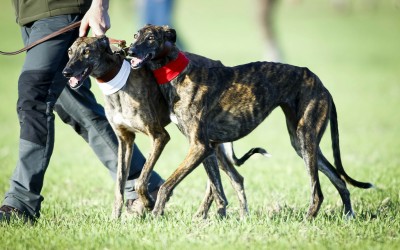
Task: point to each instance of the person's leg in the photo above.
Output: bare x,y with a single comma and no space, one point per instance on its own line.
266,10
80,109
39,85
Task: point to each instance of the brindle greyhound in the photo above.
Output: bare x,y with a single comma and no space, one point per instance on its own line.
138,106
220,104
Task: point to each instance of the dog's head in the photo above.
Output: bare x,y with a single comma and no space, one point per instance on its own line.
85,59
152,42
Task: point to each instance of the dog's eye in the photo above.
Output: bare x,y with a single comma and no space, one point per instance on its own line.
151,38
86,52
135,36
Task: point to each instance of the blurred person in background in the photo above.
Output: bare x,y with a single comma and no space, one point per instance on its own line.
157,12
266,16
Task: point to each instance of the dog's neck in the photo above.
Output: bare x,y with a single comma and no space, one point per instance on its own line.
172,65
164,58
111,64
116,77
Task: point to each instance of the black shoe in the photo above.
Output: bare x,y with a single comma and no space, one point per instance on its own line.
8,213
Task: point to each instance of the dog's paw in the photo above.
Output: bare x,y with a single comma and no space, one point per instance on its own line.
116,214
157,213
199,215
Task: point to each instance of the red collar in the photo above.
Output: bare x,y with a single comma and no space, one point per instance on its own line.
171,70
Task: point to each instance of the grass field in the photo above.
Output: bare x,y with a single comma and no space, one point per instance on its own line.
357,56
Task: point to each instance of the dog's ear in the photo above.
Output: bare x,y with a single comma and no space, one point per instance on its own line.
104,44
170,34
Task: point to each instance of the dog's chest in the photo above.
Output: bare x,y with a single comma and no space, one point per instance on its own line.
119,120
123,113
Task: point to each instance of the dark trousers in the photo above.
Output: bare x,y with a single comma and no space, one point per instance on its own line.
42,89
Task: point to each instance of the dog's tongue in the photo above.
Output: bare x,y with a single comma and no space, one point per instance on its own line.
73,81
136,61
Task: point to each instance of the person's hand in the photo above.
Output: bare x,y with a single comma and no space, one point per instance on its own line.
96,18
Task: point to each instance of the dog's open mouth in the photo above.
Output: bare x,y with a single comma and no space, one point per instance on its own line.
76,81
136,62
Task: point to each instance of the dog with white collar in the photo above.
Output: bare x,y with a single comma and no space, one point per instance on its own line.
134,103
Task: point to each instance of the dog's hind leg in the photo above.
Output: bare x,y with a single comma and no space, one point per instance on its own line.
159,139
306,121
326,167
304,144
309,132
125,147
309,155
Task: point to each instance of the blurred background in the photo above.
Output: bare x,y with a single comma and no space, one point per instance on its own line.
352,45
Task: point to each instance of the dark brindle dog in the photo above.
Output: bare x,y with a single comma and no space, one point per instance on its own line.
220,104
138,106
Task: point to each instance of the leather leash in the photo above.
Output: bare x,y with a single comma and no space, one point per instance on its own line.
120,43
54,34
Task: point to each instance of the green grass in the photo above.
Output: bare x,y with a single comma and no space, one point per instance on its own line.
357,56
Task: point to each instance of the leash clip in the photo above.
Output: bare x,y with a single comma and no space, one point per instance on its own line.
121,45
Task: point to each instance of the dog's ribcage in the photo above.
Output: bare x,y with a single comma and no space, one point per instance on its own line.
233,101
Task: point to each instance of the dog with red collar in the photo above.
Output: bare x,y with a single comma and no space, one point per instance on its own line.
220,104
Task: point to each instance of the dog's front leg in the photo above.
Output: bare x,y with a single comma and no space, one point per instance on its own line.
125,147
237,182
205,205
197,153
159,139
211,166
235,178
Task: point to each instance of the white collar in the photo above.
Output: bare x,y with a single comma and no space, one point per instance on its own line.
118,81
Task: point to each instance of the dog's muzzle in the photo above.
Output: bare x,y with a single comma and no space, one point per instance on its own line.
137,62
76,80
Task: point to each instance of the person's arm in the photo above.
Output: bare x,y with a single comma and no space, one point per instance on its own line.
96,18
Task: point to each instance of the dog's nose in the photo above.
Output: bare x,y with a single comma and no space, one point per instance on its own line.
131,51
67,72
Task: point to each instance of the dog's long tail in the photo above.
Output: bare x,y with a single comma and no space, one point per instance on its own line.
230,154
336,152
